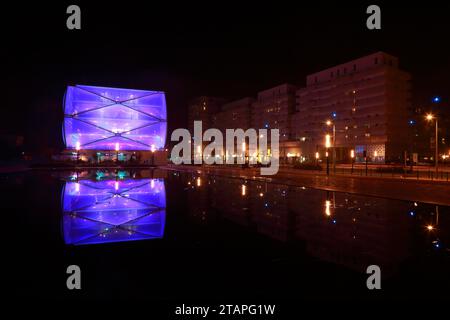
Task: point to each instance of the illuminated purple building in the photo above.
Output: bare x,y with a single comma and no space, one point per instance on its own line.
100,118
113,210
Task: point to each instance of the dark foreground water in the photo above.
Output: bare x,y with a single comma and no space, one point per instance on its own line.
171,236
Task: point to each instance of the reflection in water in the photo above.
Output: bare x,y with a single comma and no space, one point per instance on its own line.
100,211
349,230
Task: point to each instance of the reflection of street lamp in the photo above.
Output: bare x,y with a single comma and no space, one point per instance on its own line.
117,152
199,153
329,123
327,208
244,190
152,149
430,117
327,146
78,147
431,226
243,152
352,155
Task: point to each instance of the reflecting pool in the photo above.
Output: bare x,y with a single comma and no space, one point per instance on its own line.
205,236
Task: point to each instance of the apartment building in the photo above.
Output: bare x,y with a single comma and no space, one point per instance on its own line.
366,100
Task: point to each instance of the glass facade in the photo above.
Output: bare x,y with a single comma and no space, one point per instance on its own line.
101,118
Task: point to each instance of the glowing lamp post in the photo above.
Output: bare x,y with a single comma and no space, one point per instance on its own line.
431,117
317,158
327,146
330,123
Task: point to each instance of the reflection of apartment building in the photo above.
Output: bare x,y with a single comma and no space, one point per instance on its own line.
348,230
353,231
367,100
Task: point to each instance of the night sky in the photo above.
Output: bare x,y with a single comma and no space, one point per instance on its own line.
221,49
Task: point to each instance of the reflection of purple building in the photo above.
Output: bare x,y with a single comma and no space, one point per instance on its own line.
113,210
99,118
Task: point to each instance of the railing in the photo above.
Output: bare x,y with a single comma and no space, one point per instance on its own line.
394,172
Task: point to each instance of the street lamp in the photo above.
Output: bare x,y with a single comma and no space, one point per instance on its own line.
430,117
330,123
327,146
317,158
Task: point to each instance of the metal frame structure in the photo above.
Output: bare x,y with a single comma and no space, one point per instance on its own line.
102,118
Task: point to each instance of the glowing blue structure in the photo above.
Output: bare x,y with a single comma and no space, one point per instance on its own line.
113,210
103,118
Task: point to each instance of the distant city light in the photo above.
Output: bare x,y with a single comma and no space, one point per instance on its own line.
430,227
334,114
244,190
412,122
352,153
429,116
327,208
436,99
327,141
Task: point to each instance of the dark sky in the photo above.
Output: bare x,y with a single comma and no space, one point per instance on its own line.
223,49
